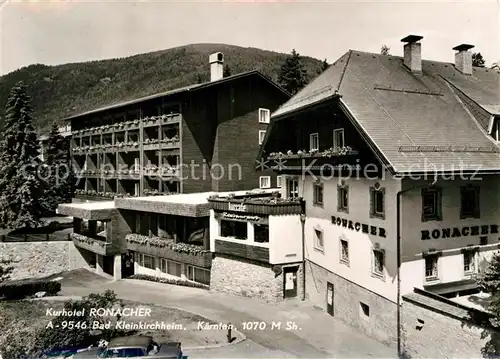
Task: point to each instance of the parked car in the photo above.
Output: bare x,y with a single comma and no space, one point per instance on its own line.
134,347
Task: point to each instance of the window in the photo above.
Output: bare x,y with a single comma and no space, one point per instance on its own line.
469,202
364,310
262,135
265,182
378,262
279,181
496,129
233,229
431,204
344,251
338,138
261,233
318,240
147,261
292,188
431,267
264,115
170,267
199,275
377,202
343,198
469,262
318,194
314,142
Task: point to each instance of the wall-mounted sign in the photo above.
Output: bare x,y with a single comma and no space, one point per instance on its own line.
357,226
456,232
237,207
242,217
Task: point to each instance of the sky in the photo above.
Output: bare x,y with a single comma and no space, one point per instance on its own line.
57,32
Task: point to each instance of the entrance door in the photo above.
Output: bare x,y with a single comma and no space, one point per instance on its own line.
127,264
290,282
329,298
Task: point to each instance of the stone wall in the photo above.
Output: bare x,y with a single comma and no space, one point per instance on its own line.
249,279
440,332
380,324
39,259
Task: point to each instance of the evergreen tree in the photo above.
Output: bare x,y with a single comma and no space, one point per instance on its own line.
324,66
384,50
20,183
477,60
59,179
292,75
227,71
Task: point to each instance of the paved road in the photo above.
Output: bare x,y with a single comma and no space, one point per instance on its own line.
314,334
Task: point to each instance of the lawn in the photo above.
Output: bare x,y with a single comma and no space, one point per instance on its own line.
26,317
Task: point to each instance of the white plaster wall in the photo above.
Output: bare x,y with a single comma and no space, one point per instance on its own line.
450,269
285,239
412,225
361,244
214,229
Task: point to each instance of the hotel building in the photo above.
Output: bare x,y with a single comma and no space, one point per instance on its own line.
143,157
397,160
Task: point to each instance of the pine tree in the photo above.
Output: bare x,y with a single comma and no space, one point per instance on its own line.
292,75
59,185
477,60
20,183
324,66
227,71
384,50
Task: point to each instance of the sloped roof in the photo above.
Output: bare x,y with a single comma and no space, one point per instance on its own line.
192,87
416,122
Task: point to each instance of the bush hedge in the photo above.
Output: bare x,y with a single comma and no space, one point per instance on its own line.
20,289
182,282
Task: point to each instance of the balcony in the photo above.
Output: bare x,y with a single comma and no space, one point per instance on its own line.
166,171
314,159
150,144
269,205
127,146
256,253
98,246
168,249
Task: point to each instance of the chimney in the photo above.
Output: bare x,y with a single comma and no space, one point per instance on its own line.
216,66
463,58
413,53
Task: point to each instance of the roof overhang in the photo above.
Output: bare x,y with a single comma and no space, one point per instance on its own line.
190,88
93,211
162,205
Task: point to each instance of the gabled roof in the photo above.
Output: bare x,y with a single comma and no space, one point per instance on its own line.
417,123
189,88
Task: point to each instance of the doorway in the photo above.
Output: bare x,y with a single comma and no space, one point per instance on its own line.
290,282
329,298
127,264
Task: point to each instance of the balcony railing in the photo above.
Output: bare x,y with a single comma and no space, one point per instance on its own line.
93,244
148,144
264,205
168,249
129,125
166,171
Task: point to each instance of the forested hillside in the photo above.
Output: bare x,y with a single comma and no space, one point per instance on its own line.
60,91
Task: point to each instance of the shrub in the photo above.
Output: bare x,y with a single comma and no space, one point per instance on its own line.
179,281
20,289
